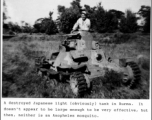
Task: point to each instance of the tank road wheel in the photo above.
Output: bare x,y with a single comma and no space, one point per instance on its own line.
78,84
135,75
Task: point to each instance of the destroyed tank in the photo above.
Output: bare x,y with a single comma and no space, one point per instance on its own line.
80,59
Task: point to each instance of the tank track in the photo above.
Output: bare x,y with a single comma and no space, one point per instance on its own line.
81,83
136,73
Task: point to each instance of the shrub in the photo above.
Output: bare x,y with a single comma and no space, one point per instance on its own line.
68,16
128,23
145,13
45,25
105,21
102,20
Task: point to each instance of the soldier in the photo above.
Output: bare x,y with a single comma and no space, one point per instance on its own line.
83,23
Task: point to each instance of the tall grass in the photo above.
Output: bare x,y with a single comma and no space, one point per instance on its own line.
19,78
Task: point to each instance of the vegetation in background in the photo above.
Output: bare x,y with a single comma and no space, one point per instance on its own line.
10,27
128,23
102,20
68,16
45,25
144,12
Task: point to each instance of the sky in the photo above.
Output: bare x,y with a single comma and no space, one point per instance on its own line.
30,10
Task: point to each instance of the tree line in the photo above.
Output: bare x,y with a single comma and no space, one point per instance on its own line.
102,20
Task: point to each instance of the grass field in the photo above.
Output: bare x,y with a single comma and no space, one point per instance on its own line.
19,79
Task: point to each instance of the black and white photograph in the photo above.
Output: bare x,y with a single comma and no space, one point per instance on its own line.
81,49
76,59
